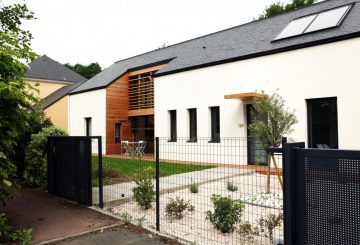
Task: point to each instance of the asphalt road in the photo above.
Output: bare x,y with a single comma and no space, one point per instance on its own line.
118,235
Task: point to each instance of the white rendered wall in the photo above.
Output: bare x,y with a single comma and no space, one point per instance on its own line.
330,70
89,104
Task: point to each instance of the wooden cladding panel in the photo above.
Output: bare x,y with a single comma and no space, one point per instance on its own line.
117,112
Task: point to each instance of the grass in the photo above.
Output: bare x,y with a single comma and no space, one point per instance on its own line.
117,170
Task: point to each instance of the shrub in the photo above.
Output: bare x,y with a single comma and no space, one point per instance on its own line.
177,207
231,186
194,188
248,232
268,224
140,221
144,193
227,212
126,218
22,236
35,173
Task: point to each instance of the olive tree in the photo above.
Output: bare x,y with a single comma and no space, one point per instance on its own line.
271,121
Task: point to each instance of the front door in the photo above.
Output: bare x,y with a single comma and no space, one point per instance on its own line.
255,150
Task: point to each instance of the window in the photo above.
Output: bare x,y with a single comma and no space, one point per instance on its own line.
327,19
172,125
215,124
315,22
296,27
322,123
88,126
192,125
117,132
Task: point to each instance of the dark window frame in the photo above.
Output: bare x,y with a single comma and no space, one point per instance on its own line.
173,126
88,126
310,120
215,124
117,133
192,112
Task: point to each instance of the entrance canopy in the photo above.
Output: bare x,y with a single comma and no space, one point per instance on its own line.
248,91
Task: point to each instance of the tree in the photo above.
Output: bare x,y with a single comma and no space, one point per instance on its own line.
279,7
87,71
16,97
271,121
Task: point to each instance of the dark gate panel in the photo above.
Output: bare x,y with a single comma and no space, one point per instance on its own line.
327,187
69,168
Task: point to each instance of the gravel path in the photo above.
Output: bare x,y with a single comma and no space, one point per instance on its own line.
193,227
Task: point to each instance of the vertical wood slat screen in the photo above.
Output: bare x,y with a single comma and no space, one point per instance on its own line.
141,91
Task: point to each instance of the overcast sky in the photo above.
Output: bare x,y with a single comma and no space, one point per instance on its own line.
85,31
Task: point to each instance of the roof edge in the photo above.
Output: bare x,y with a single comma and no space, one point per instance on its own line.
264,53
90,89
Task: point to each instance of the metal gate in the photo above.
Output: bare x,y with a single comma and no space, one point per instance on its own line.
322,196
69,168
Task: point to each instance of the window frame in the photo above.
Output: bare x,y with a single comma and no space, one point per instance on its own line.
192,112
173,126
215,124
117,137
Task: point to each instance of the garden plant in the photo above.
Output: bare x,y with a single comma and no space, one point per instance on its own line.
144,193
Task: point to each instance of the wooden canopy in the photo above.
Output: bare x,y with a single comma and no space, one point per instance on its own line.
245,97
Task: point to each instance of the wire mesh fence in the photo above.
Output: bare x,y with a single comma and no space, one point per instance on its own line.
209,193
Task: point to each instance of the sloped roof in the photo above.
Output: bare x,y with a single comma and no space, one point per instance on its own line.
45,68
59,94
241,42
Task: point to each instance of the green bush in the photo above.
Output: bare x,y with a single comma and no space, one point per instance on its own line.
21,236
144,193
231,186
268,224
35,173
194,188
227,212
176,208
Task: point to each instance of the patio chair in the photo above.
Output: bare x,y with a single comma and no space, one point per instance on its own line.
141,147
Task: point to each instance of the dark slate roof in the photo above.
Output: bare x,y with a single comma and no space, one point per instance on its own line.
45,68
58,94
241,42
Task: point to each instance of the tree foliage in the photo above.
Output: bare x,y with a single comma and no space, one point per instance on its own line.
16,97
87,71
279,7
271,120
35,173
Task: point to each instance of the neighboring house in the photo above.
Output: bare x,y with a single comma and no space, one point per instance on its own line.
204,87
54,81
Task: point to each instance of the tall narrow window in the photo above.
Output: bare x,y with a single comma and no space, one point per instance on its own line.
117,132
322,123
215,124
192,125
173,135
88,126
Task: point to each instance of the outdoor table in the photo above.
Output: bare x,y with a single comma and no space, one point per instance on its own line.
134,147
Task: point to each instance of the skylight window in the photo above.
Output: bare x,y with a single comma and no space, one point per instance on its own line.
328,19
315,22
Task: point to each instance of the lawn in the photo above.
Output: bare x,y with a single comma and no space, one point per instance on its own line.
117,170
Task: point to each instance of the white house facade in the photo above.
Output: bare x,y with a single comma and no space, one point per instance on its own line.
199,92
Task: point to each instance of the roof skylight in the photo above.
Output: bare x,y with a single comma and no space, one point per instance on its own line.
315,22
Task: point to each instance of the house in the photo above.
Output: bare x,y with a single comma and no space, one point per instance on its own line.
204,87
54,81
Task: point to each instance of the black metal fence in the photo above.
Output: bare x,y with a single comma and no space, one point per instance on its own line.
188,188
322,196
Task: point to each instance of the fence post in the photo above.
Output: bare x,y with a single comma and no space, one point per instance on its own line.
157,185
289,172
100,168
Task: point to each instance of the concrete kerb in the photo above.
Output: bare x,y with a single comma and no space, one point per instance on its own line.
153,231
64,238
177,186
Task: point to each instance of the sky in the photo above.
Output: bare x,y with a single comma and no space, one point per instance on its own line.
85,31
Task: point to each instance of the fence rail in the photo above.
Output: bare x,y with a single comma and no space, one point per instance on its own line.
181,188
